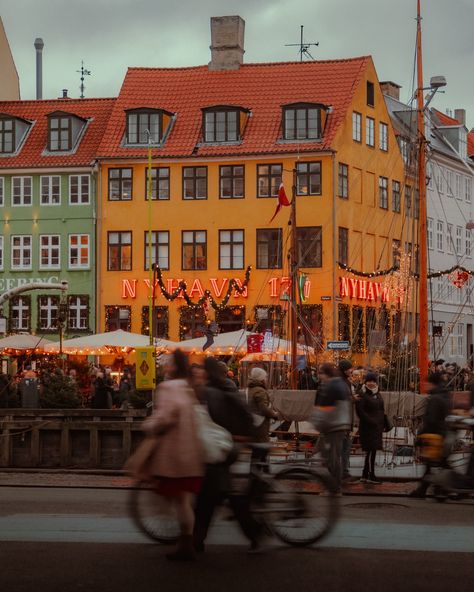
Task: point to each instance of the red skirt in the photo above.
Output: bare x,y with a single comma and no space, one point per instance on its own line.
174,486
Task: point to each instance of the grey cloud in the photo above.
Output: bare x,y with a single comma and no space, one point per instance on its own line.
110,35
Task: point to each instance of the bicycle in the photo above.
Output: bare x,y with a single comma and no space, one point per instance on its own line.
297,504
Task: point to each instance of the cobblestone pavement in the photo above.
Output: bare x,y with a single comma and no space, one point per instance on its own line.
116,480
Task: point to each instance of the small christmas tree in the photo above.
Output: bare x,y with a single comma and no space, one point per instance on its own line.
59,392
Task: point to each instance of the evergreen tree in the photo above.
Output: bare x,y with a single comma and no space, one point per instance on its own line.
59,392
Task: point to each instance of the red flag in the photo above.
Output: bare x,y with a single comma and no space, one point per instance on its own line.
282,201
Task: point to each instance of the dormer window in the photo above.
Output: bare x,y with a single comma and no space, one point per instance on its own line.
60,133
141,122
64,130
13,131
7,136
302,122
223,124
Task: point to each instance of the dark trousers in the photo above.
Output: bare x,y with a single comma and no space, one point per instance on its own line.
215,488
346,454
369,464
332,451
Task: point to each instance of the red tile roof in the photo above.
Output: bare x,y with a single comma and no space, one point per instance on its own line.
470,144
97,111
262,88
445,119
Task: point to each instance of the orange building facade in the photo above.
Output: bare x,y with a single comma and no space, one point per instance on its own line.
222,140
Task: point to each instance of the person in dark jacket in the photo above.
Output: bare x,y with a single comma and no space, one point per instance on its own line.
370,409
102,393
434,421
227,409
345,368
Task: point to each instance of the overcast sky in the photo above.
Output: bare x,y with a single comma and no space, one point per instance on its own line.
110,35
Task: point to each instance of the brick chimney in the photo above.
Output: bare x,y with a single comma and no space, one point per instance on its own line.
227,42
392,89
460,115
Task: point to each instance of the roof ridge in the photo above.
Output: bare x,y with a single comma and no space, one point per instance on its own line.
65,100
253,64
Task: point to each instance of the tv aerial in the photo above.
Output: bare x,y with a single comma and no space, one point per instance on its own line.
303,47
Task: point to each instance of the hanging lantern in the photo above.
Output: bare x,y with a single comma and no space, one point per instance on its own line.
458,277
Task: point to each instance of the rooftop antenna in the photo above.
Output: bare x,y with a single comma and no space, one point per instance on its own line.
83,72
303,47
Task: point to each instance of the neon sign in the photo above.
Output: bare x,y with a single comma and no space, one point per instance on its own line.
363,290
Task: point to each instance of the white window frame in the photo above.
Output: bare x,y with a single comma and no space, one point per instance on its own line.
79,265
231,251
383,136
50,249
2,252
74,311
458,190
440,235
2,191
370,131
22,192
440,175
429,230
49,198
468,244
22,326
356,126
449,237
468,189
458,240
24,249
460,338
52,305
82,200
449,183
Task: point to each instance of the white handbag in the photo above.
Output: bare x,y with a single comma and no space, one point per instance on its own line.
217,442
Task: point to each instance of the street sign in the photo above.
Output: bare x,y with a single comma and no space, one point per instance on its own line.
325,298
338,345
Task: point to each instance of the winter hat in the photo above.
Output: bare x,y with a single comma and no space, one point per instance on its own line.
344,365
258,374
371,377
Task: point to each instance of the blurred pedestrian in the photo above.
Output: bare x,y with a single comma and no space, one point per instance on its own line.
434,422
260,404
332,418
345,368
228,410
177,464
370,409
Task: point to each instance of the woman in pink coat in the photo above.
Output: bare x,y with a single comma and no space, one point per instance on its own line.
177,464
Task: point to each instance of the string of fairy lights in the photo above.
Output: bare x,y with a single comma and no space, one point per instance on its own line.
207,297
395,268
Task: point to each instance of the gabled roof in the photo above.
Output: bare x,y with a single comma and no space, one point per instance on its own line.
32,153
262,88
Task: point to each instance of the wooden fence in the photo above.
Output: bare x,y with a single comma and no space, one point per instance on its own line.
73,439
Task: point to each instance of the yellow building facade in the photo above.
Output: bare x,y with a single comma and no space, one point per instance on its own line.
350,189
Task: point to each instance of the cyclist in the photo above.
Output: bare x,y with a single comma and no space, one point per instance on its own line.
228,410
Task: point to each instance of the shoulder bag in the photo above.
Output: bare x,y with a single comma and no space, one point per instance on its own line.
217,442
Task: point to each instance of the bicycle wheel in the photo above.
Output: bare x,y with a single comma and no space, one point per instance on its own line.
153,514
300,508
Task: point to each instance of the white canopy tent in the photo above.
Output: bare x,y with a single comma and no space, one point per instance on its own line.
109,342
24,341
224,343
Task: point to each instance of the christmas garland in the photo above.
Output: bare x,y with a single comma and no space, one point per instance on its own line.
207,296
433,274
369,274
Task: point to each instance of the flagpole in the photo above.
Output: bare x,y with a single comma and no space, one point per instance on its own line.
293,288
150,243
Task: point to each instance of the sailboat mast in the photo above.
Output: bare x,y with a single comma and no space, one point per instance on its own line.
293,288
422,235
